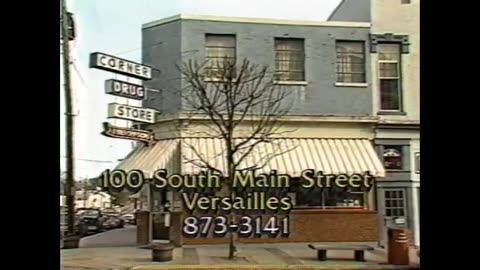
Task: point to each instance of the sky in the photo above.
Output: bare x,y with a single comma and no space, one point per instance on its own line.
114,27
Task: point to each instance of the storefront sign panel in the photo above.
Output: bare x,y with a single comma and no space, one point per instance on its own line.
120,66
132,113
128,133
124,89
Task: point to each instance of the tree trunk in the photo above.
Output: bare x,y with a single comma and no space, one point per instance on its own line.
230,173
232,248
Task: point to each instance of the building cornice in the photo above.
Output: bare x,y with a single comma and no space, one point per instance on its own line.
398,124
290,118
255,20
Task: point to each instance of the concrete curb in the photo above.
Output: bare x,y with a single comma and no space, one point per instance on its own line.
268,267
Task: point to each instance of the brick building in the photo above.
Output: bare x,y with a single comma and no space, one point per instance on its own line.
327,67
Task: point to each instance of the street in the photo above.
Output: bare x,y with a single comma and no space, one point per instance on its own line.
114,238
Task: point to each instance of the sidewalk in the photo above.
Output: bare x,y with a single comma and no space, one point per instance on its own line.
266,256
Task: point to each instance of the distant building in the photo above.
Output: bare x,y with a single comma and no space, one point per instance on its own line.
92,199
394,48
98,199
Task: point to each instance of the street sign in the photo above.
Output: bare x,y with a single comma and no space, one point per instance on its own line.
132,113
128,133
124,89
121,66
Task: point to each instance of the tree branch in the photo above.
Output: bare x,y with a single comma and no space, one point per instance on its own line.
236,96
200,162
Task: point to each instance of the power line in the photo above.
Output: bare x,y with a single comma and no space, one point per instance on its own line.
97,18
136,49
151,46
92,160
79,74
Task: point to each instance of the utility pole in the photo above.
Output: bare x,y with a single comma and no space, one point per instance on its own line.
69,120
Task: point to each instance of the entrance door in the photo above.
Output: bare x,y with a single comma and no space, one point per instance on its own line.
393,209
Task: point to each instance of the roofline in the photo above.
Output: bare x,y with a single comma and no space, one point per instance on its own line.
255,20
287,118
335,10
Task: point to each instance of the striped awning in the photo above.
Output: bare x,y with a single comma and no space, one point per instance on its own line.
148,159
287,156
135,196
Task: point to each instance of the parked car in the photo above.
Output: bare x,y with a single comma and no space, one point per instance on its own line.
113,221
89,220
129,219
110,211
109,223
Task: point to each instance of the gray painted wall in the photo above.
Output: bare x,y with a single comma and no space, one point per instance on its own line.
161,47
352,10
256,42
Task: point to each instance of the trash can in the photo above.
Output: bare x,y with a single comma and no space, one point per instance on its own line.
162,252
398,246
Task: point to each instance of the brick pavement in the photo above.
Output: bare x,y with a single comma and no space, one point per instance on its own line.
268,267
264,256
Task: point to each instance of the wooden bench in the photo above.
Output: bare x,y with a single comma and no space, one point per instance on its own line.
359,250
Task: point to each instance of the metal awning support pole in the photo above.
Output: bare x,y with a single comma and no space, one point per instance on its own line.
150,213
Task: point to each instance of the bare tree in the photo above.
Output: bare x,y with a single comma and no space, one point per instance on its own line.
242,106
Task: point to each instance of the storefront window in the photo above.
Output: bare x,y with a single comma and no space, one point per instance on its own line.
330,198
335,198
392,157
306,198
326,198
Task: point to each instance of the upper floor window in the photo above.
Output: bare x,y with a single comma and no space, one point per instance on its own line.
392,157
350,62
389,73
289,59
406,1
219,51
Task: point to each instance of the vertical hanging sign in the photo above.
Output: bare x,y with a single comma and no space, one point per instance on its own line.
129,90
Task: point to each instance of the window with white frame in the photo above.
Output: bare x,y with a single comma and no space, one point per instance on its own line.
389,74
395,203
289,59
220,51
350,61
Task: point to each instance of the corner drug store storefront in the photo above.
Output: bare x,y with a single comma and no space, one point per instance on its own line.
318,215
